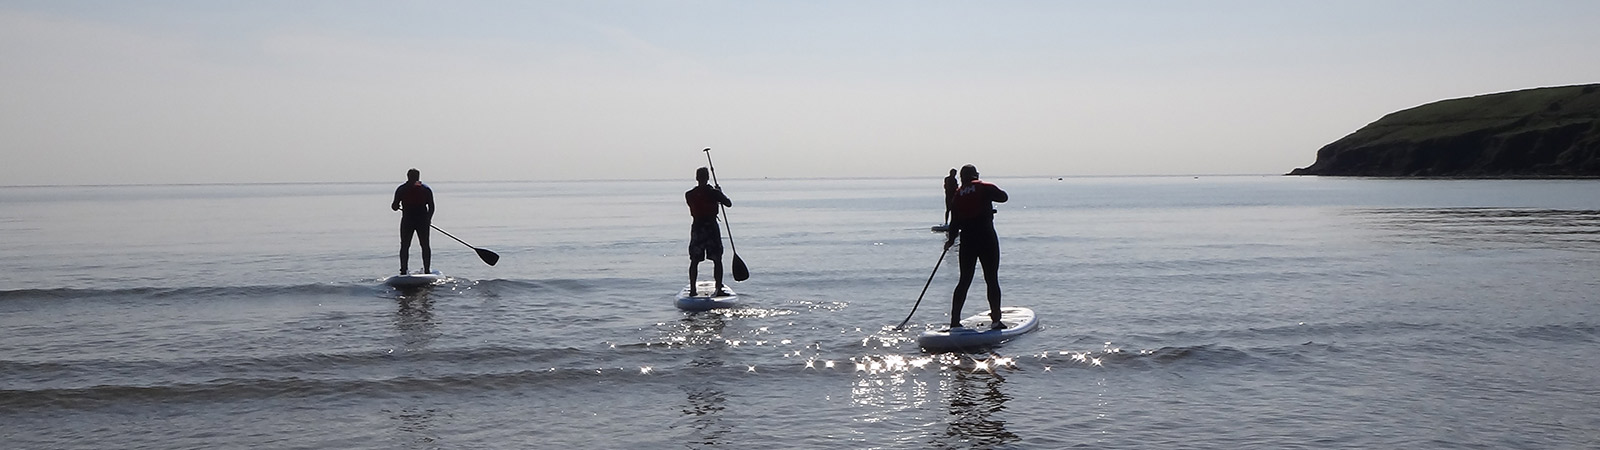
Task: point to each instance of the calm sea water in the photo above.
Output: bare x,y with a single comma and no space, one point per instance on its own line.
1212,312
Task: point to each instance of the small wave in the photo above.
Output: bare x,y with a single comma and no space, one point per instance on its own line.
375,373
1561,333
1207,355
1569,230
575,286
187,292
293,387
367,288
374,363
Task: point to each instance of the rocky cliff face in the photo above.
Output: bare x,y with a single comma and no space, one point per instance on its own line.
1544,132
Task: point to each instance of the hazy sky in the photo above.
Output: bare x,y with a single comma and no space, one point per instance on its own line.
102,92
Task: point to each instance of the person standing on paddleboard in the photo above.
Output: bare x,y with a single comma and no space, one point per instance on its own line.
705,239
972,219
950,187
415,202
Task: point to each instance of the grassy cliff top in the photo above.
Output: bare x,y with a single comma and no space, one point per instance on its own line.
1523,110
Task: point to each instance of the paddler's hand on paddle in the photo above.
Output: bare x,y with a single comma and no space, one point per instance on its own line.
950,238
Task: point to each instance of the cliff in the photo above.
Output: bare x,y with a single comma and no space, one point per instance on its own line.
1544,132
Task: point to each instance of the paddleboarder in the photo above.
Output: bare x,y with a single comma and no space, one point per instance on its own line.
705,239
950,187
972,219
415,202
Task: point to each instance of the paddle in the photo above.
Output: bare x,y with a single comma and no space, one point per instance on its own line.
740,272
936,265
488,257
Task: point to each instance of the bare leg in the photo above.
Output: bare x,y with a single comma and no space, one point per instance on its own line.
716,264
694,275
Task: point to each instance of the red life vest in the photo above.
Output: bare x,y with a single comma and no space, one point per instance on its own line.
972,201
415,195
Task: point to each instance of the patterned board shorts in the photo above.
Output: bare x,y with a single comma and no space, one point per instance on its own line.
705,241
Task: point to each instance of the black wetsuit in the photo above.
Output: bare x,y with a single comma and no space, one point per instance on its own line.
972,219
416,203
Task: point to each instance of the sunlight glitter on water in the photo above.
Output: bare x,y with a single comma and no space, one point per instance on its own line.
892,363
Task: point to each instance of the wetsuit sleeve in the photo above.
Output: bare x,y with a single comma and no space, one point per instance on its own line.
724,198
996,195
396,205
431,207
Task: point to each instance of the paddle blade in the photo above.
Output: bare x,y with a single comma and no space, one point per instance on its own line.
488,257
740,272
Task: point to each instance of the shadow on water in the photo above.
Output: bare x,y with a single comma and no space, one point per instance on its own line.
972,399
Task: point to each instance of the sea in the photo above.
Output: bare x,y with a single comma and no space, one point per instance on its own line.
1262,312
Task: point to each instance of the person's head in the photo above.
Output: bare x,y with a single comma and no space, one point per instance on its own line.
413,175
702,175
969,173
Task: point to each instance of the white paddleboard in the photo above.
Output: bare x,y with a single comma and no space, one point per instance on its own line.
700,297
974,332
415,280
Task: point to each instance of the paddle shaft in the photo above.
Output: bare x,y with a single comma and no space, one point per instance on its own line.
924,289
452,236
719,205
724,208
488,257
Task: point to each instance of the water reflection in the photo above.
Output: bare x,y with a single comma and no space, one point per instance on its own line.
704,410
705,398
889,387
973,398
699,330
888,391
414,318
416,427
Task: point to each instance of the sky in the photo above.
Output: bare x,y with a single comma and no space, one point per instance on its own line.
222,91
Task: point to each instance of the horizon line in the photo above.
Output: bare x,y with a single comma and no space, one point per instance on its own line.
597,180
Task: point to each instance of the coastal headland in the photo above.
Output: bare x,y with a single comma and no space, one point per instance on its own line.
1550,132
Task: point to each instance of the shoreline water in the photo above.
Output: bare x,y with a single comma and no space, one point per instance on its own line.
1174,313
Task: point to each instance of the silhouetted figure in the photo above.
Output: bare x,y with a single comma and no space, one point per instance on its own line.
972,219
950,188
705,239
415,202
